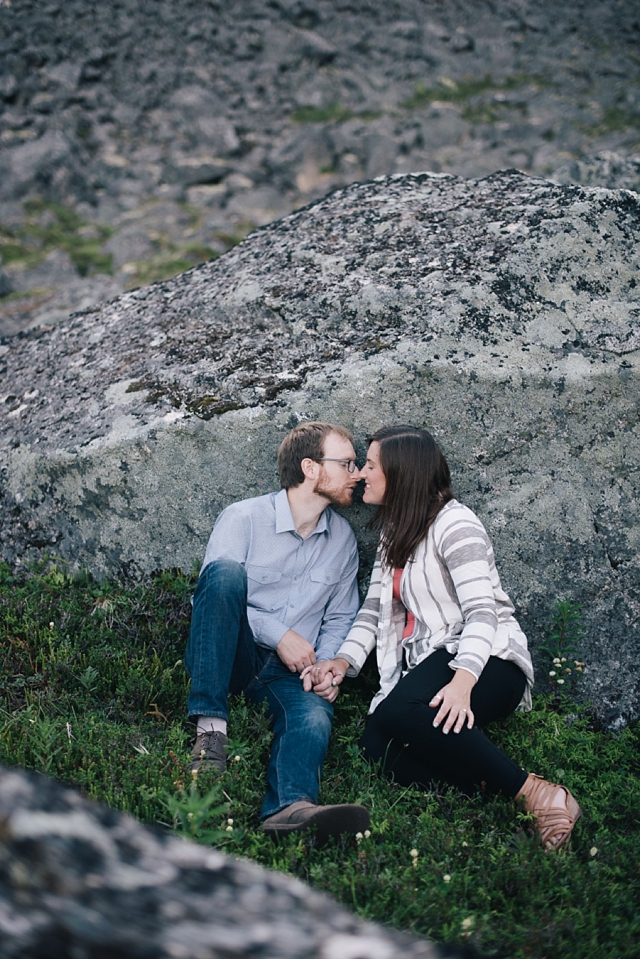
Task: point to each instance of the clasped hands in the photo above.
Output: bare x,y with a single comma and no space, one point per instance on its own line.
324,678
299,656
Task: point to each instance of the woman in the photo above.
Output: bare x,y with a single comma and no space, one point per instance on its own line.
449,649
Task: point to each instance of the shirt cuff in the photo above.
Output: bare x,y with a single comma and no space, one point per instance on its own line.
354,669
460,663
267,631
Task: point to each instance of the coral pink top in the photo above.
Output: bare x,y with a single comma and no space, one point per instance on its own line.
410,619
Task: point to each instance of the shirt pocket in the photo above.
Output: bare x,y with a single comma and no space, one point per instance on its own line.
326,575
264,575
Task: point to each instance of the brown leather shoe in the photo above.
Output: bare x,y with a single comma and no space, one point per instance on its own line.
328,820
210,752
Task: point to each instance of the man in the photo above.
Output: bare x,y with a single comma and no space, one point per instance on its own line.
277,592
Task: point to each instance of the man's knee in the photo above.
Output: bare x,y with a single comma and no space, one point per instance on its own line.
222,575
318,717
228,570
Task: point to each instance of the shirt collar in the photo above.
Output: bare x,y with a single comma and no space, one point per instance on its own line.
284,519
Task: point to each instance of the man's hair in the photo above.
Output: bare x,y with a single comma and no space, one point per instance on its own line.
418,485
305,441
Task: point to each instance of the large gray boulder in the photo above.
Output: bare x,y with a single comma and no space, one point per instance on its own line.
501,313
78,879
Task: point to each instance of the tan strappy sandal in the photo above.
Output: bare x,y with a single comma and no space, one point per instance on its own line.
554,823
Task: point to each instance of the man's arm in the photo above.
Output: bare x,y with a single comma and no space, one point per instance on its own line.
341,608
230,539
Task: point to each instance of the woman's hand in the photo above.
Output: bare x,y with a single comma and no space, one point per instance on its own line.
324,678
454,701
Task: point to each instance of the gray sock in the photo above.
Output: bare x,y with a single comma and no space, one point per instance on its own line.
211,724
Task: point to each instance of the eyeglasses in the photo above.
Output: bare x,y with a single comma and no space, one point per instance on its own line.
350,465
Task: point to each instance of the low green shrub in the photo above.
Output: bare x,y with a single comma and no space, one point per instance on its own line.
94,694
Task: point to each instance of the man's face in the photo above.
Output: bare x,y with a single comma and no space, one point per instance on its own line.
335,483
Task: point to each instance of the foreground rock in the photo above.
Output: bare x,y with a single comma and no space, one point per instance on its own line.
77,879
501,313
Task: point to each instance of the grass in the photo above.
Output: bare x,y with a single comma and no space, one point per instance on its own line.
51,226
466,92
333,113
614,120
94,694
171,261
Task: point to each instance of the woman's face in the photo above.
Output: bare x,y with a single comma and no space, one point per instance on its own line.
375,483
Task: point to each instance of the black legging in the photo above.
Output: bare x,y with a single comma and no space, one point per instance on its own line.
400,731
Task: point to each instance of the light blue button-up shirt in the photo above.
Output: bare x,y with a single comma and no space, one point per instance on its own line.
308,585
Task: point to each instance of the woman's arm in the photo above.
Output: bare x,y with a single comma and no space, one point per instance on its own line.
362,636
466,552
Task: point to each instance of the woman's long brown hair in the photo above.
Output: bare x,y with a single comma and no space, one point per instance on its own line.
418,485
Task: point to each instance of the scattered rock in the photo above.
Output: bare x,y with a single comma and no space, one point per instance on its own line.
605,169
501,313
300,99
6,286
40,165
78,879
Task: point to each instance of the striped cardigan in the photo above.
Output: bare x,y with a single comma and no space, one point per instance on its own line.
453,589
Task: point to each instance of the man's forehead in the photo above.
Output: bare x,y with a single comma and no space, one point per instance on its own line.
338,446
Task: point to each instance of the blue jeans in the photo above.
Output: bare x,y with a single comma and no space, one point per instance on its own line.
222,657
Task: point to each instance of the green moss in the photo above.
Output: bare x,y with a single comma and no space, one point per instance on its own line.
13,252
614,120
461,92
333,112
51,226
172,260
206,407
232,239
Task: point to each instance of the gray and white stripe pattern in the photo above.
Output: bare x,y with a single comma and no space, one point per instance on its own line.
453,589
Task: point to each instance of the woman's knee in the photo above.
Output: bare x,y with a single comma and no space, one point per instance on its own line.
374,741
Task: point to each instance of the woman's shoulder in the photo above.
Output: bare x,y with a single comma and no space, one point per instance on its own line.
455,510
455,514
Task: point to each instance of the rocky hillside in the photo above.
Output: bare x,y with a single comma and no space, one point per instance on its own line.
139,137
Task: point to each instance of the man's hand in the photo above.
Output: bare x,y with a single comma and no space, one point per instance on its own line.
295,652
